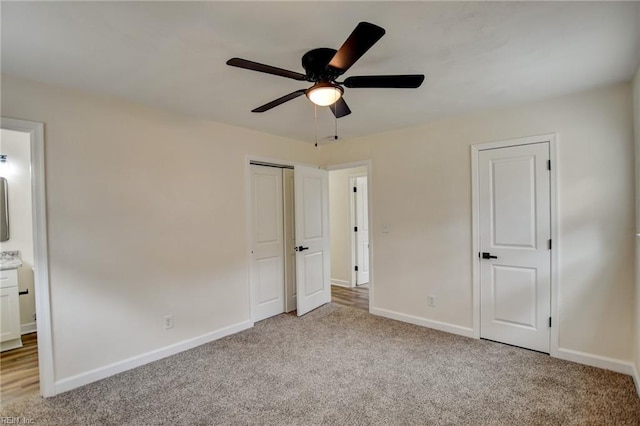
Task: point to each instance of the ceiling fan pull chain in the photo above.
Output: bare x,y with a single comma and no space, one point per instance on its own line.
315,122
335,137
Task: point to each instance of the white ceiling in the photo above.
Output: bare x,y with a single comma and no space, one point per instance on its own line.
172,55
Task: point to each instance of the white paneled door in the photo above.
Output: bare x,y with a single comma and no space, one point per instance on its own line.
362,230
313,257
267,263
515,256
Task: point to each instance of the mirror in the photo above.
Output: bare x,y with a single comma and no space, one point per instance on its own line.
4,210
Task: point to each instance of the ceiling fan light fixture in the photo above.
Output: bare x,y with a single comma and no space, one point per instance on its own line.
324,94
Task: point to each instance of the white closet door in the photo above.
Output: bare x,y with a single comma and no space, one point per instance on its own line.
267,265
313,256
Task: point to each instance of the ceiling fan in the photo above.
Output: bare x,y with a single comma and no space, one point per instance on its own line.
323,66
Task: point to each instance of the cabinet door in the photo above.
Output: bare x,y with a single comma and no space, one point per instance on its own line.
9,314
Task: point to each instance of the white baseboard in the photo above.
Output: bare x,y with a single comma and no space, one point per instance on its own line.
10,344
636,379
617,365
27,328
341,283
85,378
437,325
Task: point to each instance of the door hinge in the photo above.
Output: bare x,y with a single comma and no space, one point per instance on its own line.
356,269
355,229
548,164
355,189
549,243
549,322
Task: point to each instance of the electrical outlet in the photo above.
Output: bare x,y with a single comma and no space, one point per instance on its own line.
431,301
168,322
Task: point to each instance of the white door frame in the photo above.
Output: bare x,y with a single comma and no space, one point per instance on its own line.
555,236
40,250
368,165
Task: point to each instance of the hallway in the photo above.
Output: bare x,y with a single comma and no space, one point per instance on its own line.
355,297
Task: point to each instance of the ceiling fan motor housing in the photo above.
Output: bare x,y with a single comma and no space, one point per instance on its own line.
315,62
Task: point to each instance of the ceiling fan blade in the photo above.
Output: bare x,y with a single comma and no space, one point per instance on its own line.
361,39
279,101
255,66
340,108
410,81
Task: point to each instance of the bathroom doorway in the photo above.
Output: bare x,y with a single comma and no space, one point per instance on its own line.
18,336
26,366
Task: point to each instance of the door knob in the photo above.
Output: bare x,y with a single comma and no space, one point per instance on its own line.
486,255
301,248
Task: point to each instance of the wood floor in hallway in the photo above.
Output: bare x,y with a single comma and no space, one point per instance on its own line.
19,374
355,297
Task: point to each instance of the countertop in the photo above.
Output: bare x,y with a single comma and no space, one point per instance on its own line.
10,260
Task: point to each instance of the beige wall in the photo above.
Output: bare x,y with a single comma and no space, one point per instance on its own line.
340,196
422,189
17,146
146,217
146,214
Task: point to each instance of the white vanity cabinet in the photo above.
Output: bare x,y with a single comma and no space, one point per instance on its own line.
9,310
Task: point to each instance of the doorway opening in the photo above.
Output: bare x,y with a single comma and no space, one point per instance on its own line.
26,357
350,235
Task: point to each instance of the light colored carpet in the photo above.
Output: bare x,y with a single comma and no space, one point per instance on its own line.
342,366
